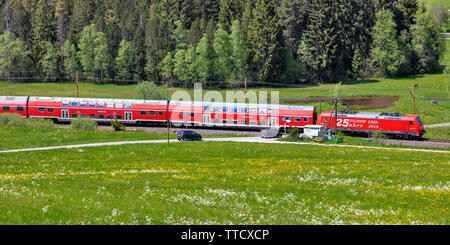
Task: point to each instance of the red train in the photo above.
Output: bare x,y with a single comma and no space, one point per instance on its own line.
207,114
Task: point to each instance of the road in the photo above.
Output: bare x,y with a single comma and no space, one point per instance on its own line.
236,139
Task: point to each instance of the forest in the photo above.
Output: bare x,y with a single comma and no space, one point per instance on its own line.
227,41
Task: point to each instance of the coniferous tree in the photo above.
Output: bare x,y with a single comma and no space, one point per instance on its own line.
191,65
72,64
223,54
239,52
293,18
139,55
267,53
102,58
124,61
87,45
167,66
204,58
180,67
427,42
50,61
385,54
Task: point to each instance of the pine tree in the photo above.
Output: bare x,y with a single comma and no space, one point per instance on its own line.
191,65
427,43
385,53
223,54
204,59
87,45
63,13
50,61
139,53
293,18
267,53
71,59
239,52
124,61
102,58
179,35
150,69
320,54
167,66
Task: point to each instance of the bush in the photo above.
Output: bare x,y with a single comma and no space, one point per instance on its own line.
16,120
340,137
293,132
117,126
5,118
150,91
84,124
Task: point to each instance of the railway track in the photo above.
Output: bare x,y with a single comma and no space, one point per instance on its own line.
436,140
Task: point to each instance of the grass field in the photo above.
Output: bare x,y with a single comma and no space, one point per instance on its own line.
224,183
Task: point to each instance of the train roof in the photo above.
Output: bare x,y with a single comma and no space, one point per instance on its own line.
374,115
14,98
164,102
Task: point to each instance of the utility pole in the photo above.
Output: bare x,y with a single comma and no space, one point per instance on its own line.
413,94
76,82
168,121
335,107
320,105
245,91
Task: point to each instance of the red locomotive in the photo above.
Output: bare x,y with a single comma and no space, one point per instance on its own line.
369,122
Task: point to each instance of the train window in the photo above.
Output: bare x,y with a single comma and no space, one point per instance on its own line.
101,105
206,108
216,120
109,117
101,116
262,111
225,121
182,114
191,114
119,117
235,109
65,103
160,113
253,110
244,110
252,122
244,122
411,123
286,119
216,109
262,122
119,105
235,122
110,105
83,104
324,119
297,119
41,109
83,115
92,104
306,119
74,115
74,104
20,109
143,113
272,111
418,120
225,109
92,116
152,113
5,108
50,110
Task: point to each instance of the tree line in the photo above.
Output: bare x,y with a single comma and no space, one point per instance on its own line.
277,41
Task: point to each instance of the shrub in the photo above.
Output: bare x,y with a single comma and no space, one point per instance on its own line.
117,126
5,118
293,132
41,123
18,122
340,137
84,124
150,91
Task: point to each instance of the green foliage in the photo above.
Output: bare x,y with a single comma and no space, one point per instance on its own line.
204,58
386,55
293,132
16,120
87,46
118,126
71,59
180,68
339,137
167,66
150,91
50,61
223,54
102,58
239,52
13,55
84,124
124,61
427,42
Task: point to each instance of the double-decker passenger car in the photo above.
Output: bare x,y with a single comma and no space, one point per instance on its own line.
210,114
367,122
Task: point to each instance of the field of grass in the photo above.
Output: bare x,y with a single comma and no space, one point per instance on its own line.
224,183
431,3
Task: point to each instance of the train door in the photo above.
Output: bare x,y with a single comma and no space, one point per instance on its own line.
206,118
128,116
273,121
65,114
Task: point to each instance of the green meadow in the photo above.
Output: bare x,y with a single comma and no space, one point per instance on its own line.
224,183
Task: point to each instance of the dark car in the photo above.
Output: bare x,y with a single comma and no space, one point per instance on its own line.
188,135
